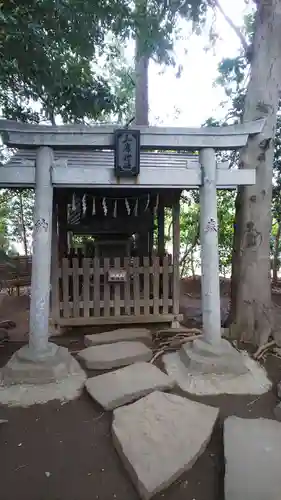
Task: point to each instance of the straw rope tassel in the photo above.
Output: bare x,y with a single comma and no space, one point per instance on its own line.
73,207
136,207
156,205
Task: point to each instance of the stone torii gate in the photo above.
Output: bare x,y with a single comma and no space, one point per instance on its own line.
41,361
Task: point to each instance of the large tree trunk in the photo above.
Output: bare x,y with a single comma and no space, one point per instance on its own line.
251,290
275,262
141,66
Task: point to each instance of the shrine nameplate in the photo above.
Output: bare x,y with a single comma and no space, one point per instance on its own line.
117,275
127,153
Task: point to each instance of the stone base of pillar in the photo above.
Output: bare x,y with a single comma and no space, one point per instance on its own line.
219,359
23,368
205,369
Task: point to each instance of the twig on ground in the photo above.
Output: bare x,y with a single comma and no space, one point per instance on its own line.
172,345
261,350
254,401
157,355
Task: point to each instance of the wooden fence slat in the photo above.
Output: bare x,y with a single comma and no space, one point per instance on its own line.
117,289
97,286
65,288
165,284
146,287
136,286
155,277
106,285
127,286
86,287
76,298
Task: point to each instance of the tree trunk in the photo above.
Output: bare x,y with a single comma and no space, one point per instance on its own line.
22,223
275,264
192,264
141,82
251,287
141,66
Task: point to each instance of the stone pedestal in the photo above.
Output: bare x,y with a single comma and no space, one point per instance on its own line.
205,369
20,369
219,359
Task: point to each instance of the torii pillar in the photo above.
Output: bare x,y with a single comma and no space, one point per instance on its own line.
210,281
40,361
211,354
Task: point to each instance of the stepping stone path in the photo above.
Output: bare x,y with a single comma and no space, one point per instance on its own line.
253,456
108,356
127,384
159,437
120,335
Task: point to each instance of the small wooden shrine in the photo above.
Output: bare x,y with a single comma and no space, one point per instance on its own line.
122,274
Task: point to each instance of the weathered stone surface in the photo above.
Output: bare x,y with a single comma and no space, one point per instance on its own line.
202,357
127,384
255,381
120,335
277,412
19,370
159,437
253,456
105,357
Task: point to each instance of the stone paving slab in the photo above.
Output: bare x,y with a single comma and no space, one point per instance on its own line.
159,437
252,449
108,356
119,335
127,384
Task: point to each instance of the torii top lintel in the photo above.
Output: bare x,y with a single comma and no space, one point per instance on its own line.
20,135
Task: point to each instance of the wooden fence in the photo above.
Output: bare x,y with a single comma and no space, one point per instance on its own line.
16,275
82,292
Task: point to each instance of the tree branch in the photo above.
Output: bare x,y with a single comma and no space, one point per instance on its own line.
235,28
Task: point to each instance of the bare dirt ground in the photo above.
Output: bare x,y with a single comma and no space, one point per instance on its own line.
65,452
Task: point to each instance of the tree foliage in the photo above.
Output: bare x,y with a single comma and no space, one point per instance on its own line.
49,51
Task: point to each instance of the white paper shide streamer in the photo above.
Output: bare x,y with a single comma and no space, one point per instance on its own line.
127,206
115,209
84,204
94,206
104,206
147,202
